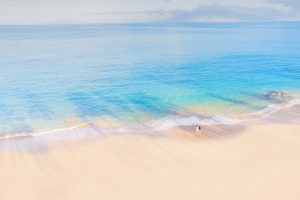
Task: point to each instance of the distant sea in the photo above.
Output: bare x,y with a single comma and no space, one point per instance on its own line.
81,79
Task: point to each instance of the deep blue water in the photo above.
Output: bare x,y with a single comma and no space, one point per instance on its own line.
51,75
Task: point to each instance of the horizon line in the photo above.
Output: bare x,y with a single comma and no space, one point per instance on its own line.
151,23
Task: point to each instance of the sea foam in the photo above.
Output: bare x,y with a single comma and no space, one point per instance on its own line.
158,125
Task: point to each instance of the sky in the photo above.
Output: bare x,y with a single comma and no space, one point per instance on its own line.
142,11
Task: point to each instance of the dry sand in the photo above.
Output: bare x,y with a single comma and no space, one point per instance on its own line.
253,160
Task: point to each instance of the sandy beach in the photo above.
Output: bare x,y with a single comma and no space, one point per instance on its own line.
259,159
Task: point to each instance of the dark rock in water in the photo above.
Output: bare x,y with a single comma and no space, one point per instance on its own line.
275,94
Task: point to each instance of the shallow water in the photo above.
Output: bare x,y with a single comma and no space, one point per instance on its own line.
63,75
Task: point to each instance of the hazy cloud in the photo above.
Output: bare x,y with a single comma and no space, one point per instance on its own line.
124,11
289,3
228,13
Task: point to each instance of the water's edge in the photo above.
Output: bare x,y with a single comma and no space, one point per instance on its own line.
81,130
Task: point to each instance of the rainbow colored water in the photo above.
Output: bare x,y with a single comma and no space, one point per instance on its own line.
56,76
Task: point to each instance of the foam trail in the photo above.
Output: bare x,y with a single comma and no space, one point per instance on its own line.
271,109
162,124
74,130
176,120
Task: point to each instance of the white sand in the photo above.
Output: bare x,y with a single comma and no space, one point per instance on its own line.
257,161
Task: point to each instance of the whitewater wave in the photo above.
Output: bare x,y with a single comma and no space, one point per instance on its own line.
273,108
176,120
91,129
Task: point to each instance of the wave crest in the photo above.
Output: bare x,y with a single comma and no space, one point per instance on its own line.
162,124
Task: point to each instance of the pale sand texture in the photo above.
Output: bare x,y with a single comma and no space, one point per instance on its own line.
257,160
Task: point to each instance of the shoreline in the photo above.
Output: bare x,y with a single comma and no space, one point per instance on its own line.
255,160
102,127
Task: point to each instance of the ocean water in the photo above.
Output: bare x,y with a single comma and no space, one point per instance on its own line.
142,76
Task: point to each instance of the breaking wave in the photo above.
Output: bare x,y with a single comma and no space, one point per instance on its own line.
92,129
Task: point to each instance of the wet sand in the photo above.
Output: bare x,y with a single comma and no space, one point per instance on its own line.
259,159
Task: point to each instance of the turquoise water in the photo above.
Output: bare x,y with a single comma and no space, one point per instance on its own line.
60,75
